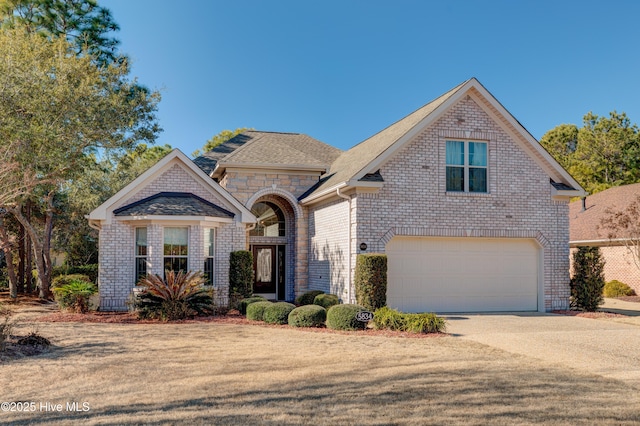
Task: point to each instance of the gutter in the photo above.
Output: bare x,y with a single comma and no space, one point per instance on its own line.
346,197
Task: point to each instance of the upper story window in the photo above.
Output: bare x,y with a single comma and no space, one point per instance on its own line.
270,220
176,249
466,166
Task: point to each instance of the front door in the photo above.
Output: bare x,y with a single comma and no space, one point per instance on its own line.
264,267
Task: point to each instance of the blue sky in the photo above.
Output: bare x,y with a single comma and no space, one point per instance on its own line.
342,70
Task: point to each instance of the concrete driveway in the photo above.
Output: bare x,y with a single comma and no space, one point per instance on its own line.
599,346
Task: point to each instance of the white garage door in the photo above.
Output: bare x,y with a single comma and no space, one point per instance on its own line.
462,274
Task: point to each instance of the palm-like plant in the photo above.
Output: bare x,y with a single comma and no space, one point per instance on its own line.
176,296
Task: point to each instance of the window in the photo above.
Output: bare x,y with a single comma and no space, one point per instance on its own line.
466,166
209,252
270,220
141,253
176,249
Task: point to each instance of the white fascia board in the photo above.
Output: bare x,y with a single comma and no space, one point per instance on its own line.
326,193
598,243
364,184
566,194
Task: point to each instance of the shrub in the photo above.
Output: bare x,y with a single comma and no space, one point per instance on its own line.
308,297
308,316
326,300
178,296
75,295
616,288
343,317
278,313
370,280
242,305
240,274
255,311
90,271
61,280
6,328
588,279
391,319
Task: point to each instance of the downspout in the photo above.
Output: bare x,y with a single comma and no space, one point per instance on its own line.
346,197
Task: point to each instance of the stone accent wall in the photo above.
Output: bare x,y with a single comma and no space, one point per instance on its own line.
618,265
329,242
414,200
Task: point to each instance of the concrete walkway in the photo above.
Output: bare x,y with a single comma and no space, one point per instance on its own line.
598,346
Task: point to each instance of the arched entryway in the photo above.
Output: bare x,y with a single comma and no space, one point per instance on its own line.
273,244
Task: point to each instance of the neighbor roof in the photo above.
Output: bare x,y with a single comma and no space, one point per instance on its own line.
260,148
173,204
584,225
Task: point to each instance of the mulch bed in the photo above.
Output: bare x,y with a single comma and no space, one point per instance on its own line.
596,315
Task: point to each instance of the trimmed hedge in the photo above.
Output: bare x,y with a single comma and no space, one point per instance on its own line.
616,288
240,274
326,300
308,297
370,280
90,271
62,280
278,313
343,317
391,319
308,316
255,311
242,306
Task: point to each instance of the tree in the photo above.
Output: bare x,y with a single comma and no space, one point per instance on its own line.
601,154
624,225
84,24
588,279
56,108
218,139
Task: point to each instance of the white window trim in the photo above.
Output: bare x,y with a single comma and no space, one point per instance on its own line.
466,166
215,252
136,256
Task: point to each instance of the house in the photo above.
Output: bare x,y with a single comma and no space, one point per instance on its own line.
470,209
585,218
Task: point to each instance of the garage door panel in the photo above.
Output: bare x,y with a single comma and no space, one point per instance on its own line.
462,274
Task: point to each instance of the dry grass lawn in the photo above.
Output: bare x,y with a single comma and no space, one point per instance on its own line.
212,373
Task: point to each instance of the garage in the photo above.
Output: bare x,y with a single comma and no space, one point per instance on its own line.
462,274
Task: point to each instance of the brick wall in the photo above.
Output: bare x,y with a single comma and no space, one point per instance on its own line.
414,201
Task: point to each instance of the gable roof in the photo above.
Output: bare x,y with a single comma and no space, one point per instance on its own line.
366,158
269,150
584,225
173,204
103,212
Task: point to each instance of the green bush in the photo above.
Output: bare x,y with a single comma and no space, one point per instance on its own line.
587,283
177,296
278,313
616,288
240,274
308,297
89,270
326,300
61,280
343,317
242,305
308,316
370,280
255,311
391,319
75,295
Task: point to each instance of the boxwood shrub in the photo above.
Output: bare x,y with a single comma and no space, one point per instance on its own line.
278,313
326,300
308,316
255,311
343,317
308,297
616,288
391,319
370,280
242,305
240,274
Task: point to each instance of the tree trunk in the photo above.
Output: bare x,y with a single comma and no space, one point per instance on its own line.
8,256
22,257
28,254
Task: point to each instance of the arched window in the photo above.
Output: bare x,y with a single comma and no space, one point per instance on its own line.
270,220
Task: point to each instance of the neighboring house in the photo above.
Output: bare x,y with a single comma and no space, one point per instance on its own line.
470,209
585,217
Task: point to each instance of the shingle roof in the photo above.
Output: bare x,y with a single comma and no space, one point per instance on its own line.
173,204
585,225
351,162
270,148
